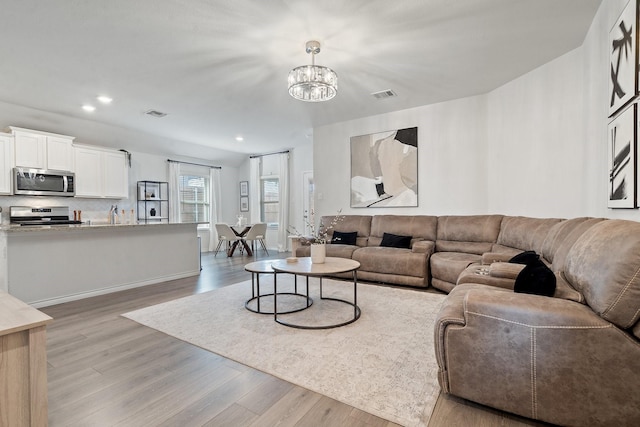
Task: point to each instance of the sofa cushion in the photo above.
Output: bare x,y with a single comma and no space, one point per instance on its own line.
394,241
380,259
471,233
447,266
419,227
604,265
332,250
525,233
563,248
358,223
477,248
556,235
343,238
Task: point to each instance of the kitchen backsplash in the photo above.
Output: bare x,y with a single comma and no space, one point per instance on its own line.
94,210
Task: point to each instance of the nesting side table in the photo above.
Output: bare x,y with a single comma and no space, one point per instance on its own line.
265,267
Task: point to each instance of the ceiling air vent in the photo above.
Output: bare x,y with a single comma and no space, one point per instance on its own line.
155,113
384,94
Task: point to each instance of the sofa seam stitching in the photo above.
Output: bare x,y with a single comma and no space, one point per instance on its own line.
533,374
619,297
540,327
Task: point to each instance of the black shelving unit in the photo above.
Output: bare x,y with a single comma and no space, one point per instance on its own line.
153,201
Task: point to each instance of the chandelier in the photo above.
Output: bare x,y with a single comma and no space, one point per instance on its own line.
313,83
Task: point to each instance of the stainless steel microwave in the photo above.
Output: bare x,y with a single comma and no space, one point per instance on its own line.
43,182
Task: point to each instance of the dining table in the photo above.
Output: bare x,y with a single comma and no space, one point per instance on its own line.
240,231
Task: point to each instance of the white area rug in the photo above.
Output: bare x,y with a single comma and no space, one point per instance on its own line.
383,364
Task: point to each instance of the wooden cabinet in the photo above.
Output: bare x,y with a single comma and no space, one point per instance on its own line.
42,150
101,173
23,363
6,162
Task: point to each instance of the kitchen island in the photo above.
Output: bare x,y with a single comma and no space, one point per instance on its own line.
49,265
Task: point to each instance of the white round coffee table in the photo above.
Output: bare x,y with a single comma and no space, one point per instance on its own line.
304,267
264,267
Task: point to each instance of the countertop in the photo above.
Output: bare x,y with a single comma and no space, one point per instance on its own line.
85,226
18,316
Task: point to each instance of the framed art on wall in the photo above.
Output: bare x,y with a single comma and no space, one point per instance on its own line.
244,204
244,188
384,169
622,140
623,60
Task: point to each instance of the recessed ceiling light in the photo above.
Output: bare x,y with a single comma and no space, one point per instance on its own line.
239,138
89,108
104,99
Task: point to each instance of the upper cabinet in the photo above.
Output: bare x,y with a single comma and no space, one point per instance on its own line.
42,150
101,173
6,161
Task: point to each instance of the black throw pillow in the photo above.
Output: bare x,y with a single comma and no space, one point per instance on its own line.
394,241
536,278
344,238
526,257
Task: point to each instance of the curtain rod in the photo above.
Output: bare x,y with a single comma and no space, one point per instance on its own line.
268,154
195,164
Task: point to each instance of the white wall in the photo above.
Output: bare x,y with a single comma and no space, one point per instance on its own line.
596,71
536,139
452,158
535,146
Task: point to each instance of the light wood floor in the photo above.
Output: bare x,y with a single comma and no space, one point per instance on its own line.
106,370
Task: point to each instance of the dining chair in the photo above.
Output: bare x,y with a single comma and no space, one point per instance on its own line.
257,233
225,234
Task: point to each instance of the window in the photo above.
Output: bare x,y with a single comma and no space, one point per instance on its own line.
270,204
194,198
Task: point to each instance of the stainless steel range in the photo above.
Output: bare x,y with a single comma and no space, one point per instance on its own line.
41,215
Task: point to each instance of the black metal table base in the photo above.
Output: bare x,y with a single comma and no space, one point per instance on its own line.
356,310
257,310
256,296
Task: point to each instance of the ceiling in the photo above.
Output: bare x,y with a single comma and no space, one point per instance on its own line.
219,68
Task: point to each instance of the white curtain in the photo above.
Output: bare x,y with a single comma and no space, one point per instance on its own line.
216,209
174,191
283,218
254,189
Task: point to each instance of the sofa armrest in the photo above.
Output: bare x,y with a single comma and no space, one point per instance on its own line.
424,247
505,270
498,275
491,257
533,311
544,358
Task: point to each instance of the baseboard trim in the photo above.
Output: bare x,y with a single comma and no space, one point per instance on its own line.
111,289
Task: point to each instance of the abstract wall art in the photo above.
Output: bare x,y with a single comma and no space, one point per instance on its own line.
622,133
623,60
384,169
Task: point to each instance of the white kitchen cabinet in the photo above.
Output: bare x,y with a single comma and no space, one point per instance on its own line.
101,173
6,162
60,153
42,150
88,180
116,175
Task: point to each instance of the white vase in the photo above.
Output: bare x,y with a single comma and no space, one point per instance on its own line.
318,253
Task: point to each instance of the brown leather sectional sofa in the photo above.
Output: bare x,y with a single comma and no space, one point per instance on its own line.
570,359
